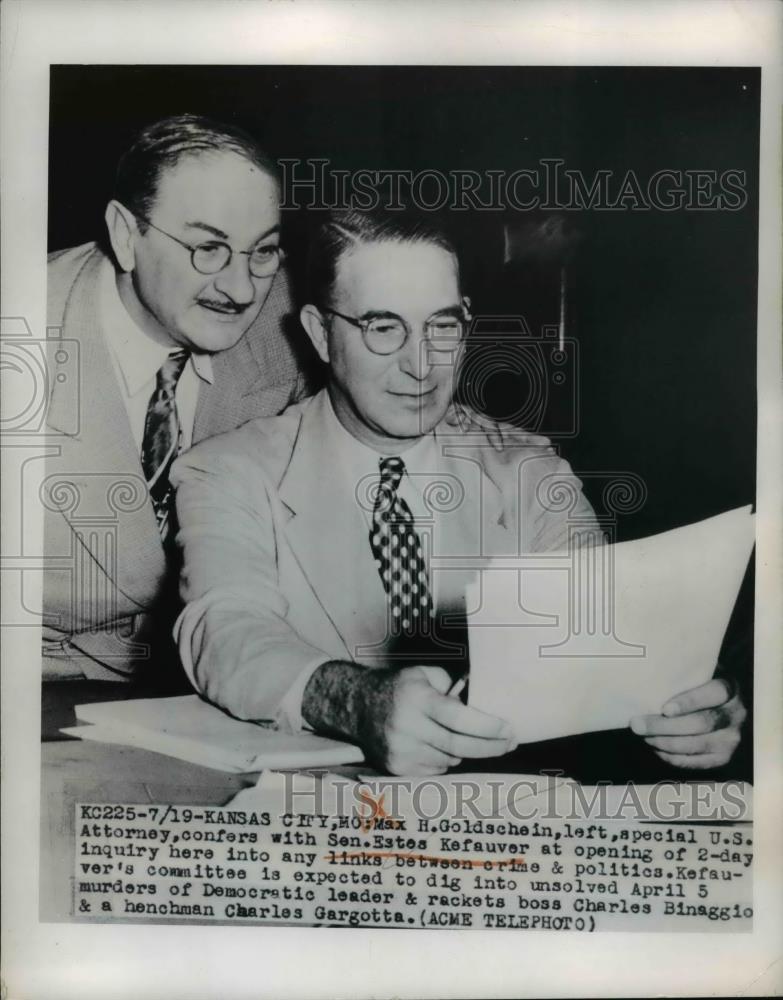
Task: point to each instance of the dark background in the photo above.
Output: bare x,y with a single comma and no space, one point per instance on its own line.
662,304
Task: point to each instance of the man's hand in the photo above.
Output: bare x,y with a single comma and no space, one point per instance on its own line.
412,726
401,717
500,435
697,729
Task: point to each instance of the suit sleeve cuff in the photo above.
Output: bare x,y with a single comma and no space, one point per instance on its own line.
289,714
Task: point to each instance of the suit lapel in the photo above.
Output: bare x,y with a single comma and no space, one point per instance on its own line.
463,518
249,378
453,500
328,533
101,460
218,405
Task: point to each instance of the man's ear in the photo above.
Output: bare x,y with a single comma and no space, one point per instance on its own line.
315,328
121,225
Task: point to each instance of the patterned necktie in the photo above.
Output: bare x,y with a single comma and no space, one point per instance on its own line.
162,439
398,555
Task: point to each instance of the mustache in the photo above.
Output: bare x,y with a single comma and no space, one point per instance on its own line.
225,305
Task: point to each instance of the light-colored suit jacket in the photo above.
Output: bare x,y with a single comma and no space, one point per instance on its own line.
107,588
278,572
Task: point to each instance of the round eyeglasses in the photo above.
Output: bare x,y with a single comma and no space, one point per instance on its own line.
388,333
214,256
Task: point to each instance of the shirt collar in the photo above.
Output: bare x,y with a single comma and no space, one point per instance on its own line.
137,355
359,461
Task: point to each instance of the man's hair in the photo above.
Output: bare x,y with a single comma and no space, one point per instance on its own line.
343,229
163,143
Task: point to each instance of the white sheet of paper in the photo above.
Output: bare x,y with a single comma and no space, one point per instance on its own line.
566,643
188,728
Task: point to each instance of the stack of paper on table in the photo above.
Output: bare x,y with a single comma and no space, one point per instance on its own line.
193,730
566,643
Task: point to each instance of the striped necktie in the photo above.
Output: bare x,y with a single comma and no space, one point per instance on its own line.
162,440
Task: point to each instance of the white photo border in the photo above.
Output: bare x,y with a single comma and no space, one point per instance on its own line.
59,961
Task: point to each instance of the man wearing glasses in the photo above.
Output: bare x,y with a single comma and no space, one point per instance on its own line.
339,535
181,336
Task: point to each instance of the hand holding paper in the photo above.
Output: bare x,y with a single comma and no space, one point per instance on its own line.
419,728
587,640
698,728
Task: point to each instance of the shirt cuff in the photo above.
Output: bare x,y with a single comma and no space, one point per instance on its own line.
289,714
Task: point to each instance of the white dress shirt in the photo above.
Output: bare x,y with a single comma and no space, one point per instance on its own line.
360,466
137,358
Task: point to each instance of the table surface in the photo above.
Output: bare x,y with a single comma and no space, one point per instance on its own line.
74,770
77,771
